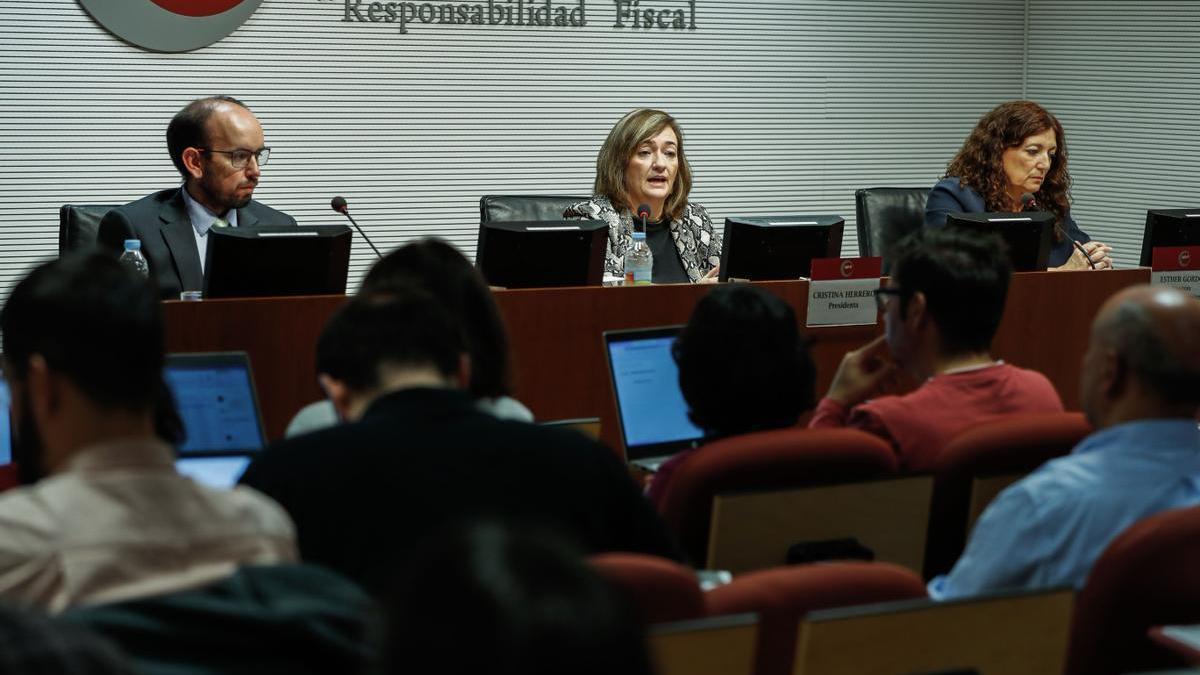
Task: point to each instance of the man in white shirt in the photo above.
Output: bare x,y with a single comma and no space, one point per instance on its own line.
104,516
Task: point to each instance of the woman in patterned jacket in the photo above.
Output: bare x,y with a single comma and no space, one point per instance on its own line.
642,162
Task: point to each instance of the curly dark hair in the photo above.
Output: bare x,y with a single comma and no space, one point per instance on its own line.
978,164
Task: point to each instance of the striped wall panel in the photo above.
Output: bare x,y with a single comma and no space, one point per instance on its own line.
788,106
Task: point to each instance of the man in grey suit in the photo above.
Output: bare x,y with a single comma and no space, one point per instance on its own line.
217,145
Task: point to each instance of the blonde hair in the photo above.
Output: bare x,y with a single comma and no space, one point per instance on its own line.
627,134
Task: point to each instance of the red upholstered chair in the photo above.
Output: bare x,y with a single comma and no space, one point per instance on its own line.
783,595
763,462
1148,576
661,590
973,468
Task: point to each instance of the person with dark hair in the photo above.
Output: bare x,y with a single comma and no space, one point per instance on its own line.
743,367
1140,390
941,308
1016,160
217,145
642,162
439,268
493,599
416,454
105,516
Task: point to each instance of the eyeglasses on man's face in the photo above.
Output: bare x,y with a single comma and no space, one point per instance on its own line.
884,296
240,157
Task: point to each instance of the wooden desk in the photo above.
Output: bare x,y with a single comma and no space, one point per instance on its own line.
558,359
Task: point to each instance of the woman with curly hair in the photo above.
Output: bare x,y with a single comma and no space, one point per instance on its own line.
1015,151
642,162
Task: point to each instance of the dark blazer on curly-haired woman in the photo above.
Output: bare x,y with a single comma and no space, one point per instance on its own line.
950,196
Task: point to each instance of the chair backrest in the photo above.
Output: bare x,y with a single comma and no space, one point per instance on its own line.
974,467
661,590
1148,576
504,208
782,596
79,224
740,502
721,645
1004,634
885,215
262,619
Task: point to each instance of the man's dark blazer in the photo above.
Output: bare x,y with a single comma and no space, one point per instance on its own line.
364,495
162,224
951,196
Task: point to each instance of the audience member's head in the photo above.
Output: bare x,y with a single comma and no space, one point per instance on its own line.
743,365
509,602
444,272
83,351
374,345
946,295
1143,360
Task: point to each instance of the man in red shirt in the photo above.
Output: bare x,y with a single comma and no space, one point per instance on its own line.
941,309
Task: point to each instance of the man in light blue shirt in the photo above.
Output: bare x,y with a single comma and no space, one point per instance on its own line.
1140,389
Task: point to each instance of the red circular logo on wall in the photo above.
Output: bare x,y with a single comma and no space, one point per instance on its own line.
847,268
1184,258
171,25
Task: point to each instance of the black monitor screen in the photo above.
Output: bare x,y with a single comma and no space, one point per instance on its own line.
533,254
778,247
259,261
1027,235
1169,227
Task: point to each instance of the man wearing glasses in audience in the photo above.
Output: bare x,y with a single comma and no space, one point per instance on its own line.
217,145
941,309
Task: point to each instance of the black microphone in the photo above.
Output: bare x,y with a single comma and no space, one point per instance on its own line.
643,212
1029,203
339,204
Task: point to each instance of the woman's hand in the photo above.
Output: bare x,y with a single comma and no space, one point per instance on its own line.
1097,251
712,277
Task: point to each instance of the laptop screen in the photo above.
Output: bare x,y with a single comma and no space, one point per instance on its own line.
215,472
5,422
650,407
214,394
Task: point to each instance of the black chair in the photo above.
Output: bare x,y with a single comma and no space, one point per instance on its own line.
78,225
506,208
885,215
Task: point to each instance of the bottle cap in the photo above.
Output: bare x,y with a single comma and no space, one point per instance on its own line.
133,244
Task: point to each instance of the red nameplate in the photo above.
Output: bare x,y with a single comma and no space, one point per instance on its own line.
1172,258
838,269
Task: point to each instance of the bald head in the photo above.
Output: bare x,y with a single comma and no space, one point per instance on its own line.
1144,357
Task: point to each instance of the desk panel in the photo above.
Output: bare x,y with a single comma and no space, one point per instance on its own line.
558,360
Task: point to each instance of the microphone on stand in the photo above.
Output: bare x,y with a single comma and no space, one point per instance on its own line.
643,212
339,204
1029,203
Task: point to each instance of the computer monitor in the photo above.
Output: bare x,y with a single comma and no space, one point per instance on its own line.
1169,227
762,248
261,261
215,471
216,400
1026,234
534,254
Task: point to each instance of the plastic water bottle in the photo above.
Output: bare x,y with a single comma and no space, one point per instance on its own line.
639,262
133,259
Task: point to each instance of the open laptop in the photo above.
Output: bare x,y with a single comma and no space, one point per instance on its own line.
6,440
651,412
215,396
